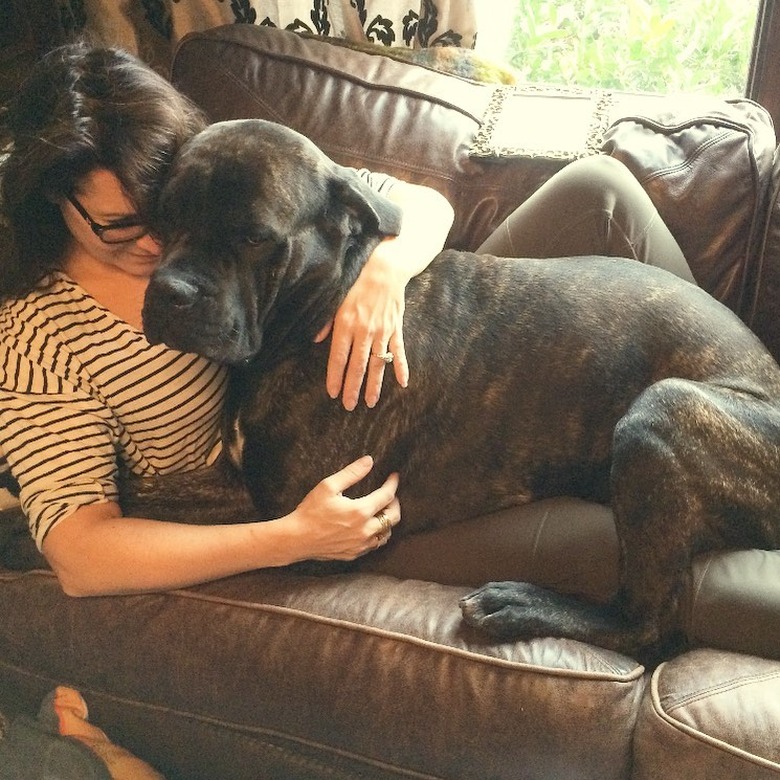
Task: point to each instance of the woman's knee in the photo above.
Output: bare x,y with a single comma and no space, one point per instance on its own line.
598,182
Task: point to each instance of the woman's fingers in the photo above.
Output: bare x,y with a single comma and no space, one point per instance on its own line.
347,528
361,364
348,476
400,364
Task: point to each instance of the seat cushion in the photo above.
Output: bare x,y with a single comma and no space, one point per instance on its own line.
713,715
371,675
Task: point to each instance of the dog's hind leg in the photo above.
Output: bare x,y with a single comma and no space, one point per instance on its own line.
696,467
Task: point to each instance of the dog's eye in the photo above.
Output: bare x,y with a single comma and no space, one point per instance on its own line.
255,239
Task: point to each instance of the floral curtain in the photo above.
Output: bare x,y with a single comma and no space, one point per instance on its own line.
151,28
419,23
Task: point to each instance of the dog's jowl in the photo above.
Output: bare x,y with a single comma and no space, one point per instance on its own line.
593,377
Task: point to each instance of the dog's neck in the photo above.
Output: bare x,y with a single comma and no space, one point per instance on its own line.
305,308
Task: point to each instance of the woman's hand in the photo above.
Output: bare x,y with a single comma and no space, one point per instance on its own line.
339,528
369,321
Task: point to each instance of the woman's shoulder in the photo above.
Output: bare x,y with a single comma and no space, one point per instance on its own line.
58,327
54,297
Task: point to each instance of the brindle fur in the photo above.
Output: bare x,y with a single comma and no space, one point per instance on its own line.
593,377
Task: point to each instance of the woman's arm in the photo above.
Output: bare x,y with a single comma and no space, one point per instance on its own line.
370,319
95,551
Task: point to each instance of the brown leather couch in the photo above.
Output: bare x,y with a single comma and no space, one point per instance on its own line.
372,674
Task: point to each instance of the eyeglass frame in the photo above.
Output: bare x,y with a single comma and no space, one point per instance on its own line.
99,229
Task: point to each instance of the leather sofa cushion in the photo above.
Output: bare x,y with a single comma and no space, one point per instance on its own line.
372,675
710,714
363,110
733,602
707,166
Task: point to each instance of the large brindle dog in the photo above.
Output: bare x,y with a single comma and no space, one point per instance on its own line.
593,377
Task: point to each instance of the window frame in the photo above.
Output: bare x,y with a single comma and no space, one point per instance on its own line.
763,84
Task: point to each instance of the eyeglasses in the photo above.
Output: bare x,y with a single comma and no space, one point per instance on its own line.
120,232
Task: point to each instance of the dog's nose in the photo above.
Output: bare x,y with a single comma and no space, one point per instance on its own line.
177,293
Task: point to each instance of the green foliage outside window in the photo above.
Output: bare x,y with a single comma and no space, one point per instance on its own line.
635,45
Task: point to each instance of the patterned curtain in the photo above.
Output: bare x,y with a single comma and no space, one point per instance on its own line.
406,23
412,23
152,28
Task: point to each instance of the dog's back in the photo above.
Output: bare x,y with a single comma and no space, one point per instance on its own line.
520,370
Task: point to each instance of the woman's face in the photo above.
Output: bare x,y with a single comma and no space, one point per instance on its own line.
99,198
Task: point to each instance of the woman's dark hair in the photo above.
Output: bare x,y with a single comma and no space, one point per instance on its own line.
83,107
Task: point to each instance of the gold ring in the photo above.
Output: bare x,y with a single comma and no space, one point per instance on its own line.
386,357
385,526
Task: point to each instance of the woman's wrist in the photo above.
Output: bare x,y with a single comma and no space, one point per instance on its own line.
390,265
279,542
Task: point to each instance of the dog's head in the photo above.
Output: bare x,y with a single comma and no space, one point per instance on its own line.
262,235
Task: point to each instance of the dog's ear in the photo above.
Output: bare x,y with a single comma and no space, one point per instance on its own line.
374,212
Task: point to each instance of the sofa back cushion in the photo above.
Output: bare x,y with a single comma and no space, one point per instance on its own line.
707,165
364,110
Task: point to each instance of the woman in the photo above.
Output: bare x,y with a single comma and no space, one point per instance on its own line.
93,132
81,388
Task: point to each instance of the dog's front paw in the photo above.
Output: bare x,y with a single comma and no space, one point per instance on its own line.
510,610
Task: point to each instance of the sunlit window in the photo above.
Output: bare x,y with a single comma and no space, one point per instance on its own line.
659,46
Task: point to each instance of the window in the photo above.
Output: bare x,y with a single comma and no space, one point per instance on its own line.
657,46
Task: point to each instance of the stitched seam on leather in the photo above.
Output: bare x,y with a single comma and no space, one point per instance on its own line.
438,647
241,729
689,159
727,685
528,666
700,735
10,575
705,119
